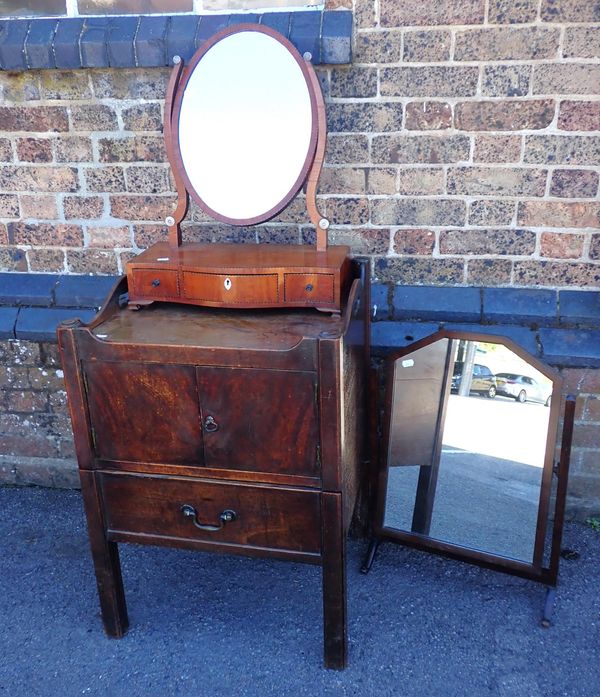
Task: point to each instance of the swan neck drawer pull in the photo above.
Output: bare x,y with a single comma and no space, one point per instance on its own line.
227,516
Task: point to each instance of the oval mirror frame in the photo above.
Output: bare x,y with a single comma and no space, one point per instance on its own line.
173,106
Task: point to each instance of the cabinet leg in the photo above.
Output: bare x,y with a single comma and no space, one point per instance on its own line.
107,566
334,583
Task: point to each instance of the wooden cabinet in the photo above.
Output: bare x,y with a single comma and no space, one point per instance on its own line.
221,430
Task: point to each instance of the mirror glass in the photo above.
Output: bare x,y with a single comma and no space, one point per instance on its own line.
245,127
467,447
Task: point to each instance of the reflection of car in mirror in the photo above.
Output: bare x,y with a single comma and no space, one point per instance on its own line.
523,388
483,381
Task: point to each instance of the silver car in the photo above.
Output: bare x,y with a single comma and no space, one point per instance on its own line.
523,388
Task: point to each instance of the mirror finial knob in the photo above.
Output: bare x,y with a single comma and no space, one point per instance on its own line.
324,224
176,60
170,220
307,56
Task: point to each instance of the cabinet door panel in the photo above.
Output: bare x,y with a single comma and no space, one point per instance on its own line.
259,420
144,412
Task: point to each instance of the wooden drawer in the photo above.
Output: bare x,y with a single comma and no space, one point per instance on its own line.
158,283
315,287
272,518
232,288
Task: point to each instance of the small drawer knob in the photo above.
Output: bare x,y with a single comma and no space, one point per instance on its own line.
156,282
309,288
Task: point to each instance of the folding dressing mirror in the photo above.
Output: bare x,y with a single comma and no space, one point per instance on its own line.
467,461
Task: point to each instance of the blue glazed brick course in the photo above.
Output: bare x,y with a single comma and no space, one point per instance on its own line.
27,289
579,306
131,41
40,323
379,298
305,33
38,44
83,291
66,43
524,337
387,335
336,37
531,305
120,42
437,303
571,347
8,319
12,44
92,43
150,42
180,38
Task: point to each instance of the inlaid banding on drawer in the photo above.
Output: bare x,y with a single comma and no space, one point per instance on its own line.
267,517
230,288
159,283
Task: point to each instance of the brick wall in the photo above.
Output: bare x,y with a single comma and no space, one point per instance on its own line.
463,150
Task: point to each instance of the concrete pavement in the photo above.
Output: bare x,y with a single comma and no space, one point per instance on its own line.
206,625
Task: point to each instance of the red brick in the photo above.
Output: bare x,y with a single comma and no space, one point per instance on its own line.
428,116
595,247
105,179
427,46
136,149
146,235
429,81
109,237
560,274
6,153
569,11
506,43
35,179
151,208
83,207
414,241
420,270
504,115
347,211
34,149
361,241
559,214
39,206
487,241
9,206
579,116
354,82
93,117
574,183
342,180
488,212
47,260
496,181
419,13
581,380
12,259
378,47
561,245
489,272
143,117
381,180
497,149
65,84
509,11
94,261
44,234
581,42
3,234
34,118
347,149
73,149
420,181
566,78
126,84
147,180
409,149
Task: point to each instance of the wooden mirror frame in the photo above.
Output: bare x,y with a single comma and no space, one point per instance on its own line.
310,172
537,570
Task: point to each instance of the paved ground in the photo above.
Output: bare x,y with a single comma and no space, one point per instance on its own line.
205,626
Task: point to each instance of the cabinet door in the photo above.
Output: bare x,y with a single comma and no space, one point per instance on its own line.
144,412
259,420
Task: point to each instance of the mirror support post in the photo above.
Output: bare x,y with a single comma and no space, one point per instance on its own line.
178,214
317,219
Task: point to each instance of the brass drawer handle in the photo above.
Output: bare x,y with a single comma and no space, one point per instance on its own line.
156,282
210,425
227,516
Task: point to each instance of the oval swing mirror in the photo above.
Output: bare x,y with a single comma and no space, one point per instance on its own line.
244,125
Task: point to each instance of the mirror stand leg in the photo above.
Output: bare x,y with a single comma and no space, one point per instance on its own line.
548,607
370,556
